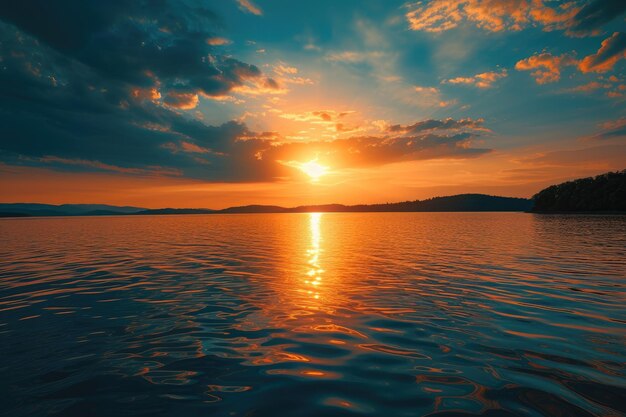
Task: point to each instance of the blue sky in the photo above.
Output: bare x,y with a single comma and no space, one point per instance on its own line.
224,102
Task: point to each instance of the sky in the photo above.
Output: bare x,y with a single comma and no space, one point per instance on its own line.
217,103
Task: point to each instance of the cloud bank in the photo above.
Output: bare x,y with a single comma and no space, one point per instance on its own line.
576,18
109,86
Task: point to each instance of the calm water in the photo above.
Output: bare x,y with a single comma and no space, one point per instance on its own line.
390,314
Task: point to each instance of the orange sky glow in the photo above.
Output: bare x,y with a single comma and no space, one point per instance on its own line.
355,103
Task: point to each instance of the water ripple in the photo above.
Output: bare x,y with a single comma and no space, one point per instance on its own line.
392,314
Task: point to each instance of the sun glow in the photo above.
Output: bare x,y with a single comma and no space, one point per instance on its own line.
313,169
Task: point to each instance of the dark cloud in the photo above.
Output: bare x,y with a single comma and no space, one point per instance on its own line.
595,14
612,50
100,86
433,124
144,43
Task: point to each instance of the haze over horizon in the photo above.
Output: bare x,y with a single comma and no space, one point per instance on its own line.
217,104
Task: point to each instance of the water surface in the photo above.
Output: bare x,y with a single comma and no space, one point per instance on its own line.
382,314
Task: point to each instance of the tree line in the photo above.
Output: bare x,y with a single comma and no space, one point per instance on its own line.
606,192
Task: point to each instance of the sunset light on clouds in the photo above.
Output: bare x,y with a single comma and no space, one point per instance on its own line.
210,104
298,208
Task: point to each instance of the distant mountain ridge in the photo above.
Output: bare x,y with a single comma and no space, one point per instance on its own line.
461,202
38,209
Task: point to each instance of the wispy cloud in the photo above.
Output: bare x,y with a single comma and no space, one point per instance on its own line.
354,56
249,7
482,80
612,129
589,87
431,96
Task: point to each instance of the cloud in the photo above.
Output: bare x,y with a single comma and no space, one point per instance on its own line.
366,151
434,124
595,14
170,47
353,57
613,129
483,80
601,158
282,69
499,15
261,86
318,116
99,166
491,15
85,130
545,67
249,7
217,41
183,101
590,86
431,96
611,85
287,74
111,91
612,50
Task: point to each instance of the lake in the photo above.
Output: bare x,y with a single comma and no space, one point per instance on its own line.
381,314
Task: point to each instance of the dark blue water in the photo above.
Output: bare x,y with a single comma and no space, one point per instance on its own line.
389,314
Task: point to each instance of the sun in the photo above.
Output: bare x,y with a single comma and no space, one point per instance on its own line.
313,169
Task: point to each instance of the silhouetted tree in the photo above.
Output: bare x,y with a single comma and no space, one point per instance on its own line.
606,192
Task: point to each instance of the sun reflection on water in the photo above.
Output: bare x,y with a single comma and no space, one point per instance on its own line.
313,279
361,313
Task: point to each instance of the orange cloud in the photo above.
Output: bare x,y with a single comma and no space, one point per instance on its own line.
182,101
146,94
431,96
217,41
491,15
319,116
591,86
263,86
612,50
248,6
449,124
483,80
545,66
282,69
287,74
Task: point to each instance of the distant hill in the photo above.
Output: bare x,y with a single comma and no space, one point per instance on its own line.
603,193
36,209
255,208
461,202
174,211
